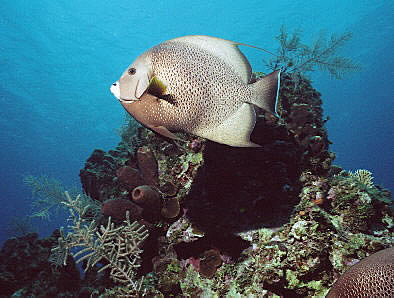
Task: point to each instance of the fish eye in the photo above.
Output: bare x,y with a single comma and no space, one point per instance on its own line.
132,71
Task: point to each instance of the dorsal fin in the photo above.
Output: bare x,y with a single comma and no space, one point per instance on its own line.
226,50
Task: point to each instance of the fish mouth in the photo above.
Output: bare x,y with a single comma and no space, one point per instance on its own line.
115,90
125,100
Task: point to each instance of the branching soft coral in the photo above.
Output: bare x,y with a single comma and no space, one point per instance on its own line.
117,248
296,57
364,177
48,193
49,196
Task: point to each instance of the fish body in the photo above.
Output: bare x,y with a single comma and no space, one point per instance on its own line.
196,84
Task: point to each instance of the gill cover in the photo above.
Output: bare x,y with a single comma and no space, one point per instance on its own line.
135,80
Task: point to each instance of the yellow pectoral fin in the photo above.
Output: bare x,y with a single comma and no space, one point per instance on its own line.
156,87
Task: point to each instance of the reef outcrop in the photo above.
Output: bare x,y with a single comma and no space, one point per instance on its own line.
282,218
25,269
277,220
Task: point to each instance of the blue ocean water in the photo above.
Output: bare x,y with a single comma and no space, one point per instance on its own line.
59,58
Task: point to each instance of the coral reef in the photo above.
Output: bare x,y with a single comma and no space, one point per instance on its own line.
363,176
372,277
20,226
26,272
303,115
116,248
303,258
305,221
129,177
117,209
279,220
99,176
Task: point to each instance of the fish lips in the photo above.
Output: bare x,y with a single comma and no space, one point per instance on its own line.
115,90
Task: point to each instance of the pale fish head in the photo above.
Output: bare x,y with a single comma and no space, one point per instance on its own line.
134,81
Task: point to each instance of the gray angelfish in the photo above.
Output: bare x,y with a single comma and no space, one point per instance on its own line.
197,84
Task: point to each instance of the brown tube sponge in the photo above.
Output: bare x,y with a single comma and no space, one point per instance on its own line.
117,208
146,196
148,166
171,208
129,177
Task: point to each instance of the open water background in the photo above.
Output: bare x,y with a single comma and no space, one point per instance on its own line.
59,58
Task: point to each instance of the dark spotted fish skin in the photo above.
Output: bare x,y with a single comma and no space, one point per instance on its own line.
206,89
200,85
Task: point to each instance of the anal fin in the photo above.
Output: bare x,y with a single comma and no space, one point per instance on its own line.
164,132
235,130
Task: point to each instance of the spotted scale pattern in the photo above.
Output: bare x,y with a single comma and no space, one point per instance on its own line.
206,89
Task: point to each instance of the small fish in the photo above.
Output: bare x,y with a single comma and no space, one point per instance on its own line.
197,84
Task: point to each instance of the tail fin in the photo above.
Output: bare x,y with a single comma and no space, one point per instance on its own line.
266,92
